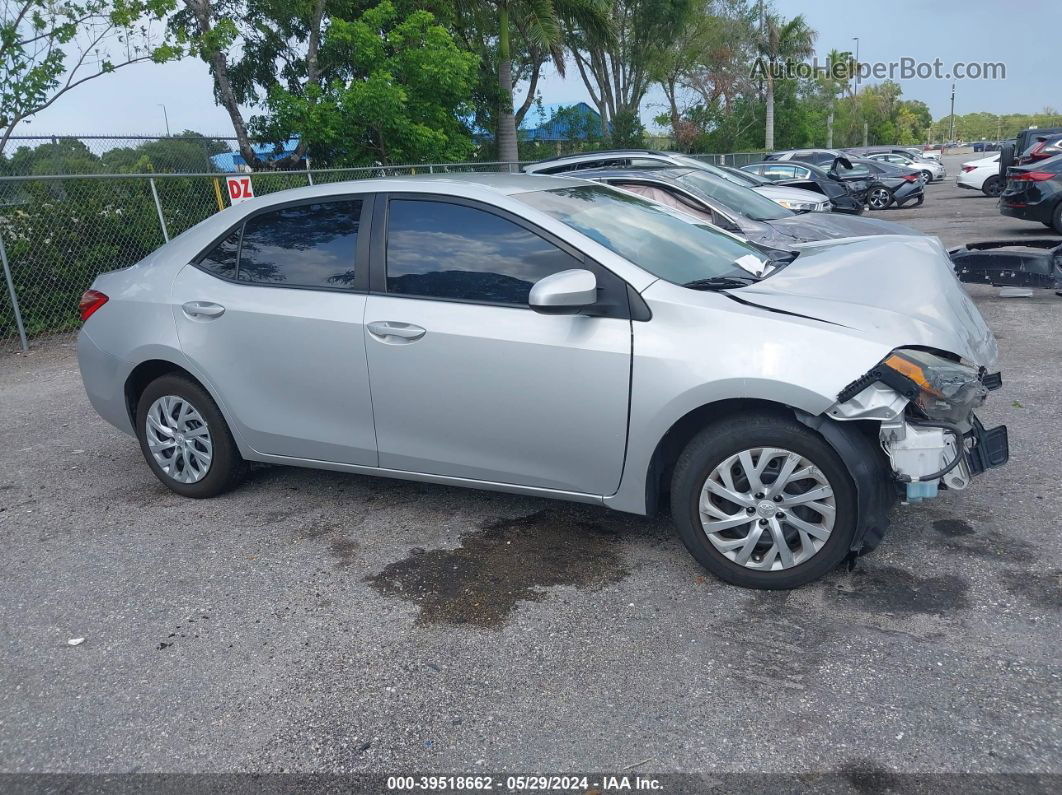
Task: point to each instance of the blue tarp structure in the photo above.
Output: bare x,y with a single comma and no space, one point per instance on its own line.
234,161
543,125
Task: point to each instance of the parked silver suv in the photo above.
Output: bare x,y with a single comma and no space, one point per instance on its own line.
560,338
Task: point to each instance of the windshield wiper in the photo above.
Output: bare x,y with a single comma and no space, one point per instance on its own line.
721,282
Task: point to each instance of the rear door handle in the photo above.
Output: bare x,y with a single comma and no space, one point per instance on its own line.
390,331
203,309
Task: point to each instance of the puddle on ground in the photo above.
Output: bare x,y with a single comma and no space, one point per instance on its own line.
504,562
888,589
953,527
1041,588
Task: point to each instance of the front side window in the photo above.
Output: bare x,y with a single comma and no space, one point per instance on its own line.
305,245
653,237
455,252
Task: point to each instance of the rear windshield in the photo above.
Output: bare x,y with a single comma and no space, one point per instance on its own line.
648,234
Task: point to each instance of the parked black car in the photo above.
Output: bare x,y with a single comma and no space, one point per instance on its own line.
1011,150
844,196
1041,148
1034,193
887,184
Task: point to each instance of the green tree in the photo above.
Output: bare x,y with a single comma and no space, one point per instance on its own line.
517,38
397,92
50,47
781,41
618,69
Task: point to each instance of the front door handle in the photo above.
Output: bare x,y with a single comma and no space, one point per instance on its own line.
389,331
203,309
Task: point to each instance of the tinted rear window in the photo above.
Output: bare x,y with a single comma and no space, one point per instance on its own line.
307,245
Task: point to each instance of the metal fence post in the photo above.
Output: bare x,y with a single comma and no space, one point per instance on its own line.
14,297
158,206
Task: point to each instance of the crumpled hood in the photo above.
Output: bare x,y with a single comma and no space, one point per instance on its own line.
825,226
898,290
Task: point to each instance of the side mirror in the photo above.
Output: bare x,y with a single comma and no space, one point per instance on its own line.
564,293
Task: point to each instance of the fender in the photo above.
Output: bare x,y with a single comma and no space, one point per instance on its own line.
874,497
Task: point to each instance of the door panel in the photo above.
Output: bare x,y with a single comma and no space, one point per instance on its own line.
500,393
290,364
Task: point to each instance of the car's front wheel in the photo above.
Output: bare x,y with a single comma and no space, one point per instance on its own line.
879,198
763,502
927,176
185,440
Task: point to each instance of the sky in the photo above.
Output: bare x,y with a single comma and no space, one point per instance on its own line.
1022,36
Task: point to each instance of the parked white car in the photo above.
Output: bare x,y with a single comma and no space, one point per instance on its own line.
931,169
982,175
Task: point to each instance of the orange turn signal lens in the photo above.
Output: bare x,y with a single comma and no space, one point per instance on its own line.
912,370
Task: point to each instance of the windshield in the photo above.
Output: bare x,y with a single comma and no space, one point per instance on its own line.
737,197
650,235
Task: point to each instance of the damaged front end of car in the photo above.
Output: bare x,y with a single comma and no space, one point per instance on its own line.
924,402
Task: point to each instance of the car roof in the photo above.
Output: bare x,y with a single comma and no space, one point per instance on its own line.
466,184
599,152
667,174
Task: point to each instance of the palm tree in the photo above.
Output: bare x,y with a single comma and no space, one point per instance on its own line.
541,24
781,41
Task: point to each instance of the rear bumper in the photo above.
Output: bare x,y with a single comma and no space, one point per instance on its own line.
104,377
1030,212
847,204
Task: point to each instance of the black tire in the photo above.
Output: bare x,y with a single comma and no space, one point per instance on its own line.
919,200
717,442
1006,159
1056,218
993,186
927,176
227,468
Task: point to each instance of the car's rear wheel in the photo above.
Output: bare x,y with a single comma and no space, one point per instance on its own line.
879,198
185,440
993,186
763,502
1056,218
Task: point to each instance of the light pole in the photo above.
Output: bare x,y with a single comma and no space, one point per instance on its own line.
856,40
952,136
165,116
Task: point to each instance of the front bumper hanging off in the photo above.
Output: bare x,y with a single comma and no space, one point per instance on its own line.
1002,263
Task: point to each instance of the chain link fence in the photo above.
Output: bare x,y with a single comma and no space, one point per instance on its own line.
72,214
59,232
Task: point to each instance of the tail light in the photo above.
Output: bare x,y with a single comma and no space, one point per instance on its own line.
912,177
1031,176
90,302
968,169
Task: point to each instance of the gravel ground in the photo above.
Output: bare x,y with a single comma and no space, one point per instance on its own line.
313,621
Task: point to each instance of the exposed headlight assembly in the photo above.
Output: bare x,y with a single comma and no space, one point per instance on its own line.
800,207
940,388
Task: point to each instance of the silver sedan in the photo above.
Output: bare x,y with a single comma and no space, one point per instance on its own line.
560,338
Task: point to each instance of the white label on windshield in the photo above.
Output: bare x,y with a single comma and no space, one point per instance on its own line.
752,264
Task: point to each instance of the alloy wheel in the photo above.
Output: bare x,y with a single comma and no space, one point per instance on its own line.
179,439
879,198
767,508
